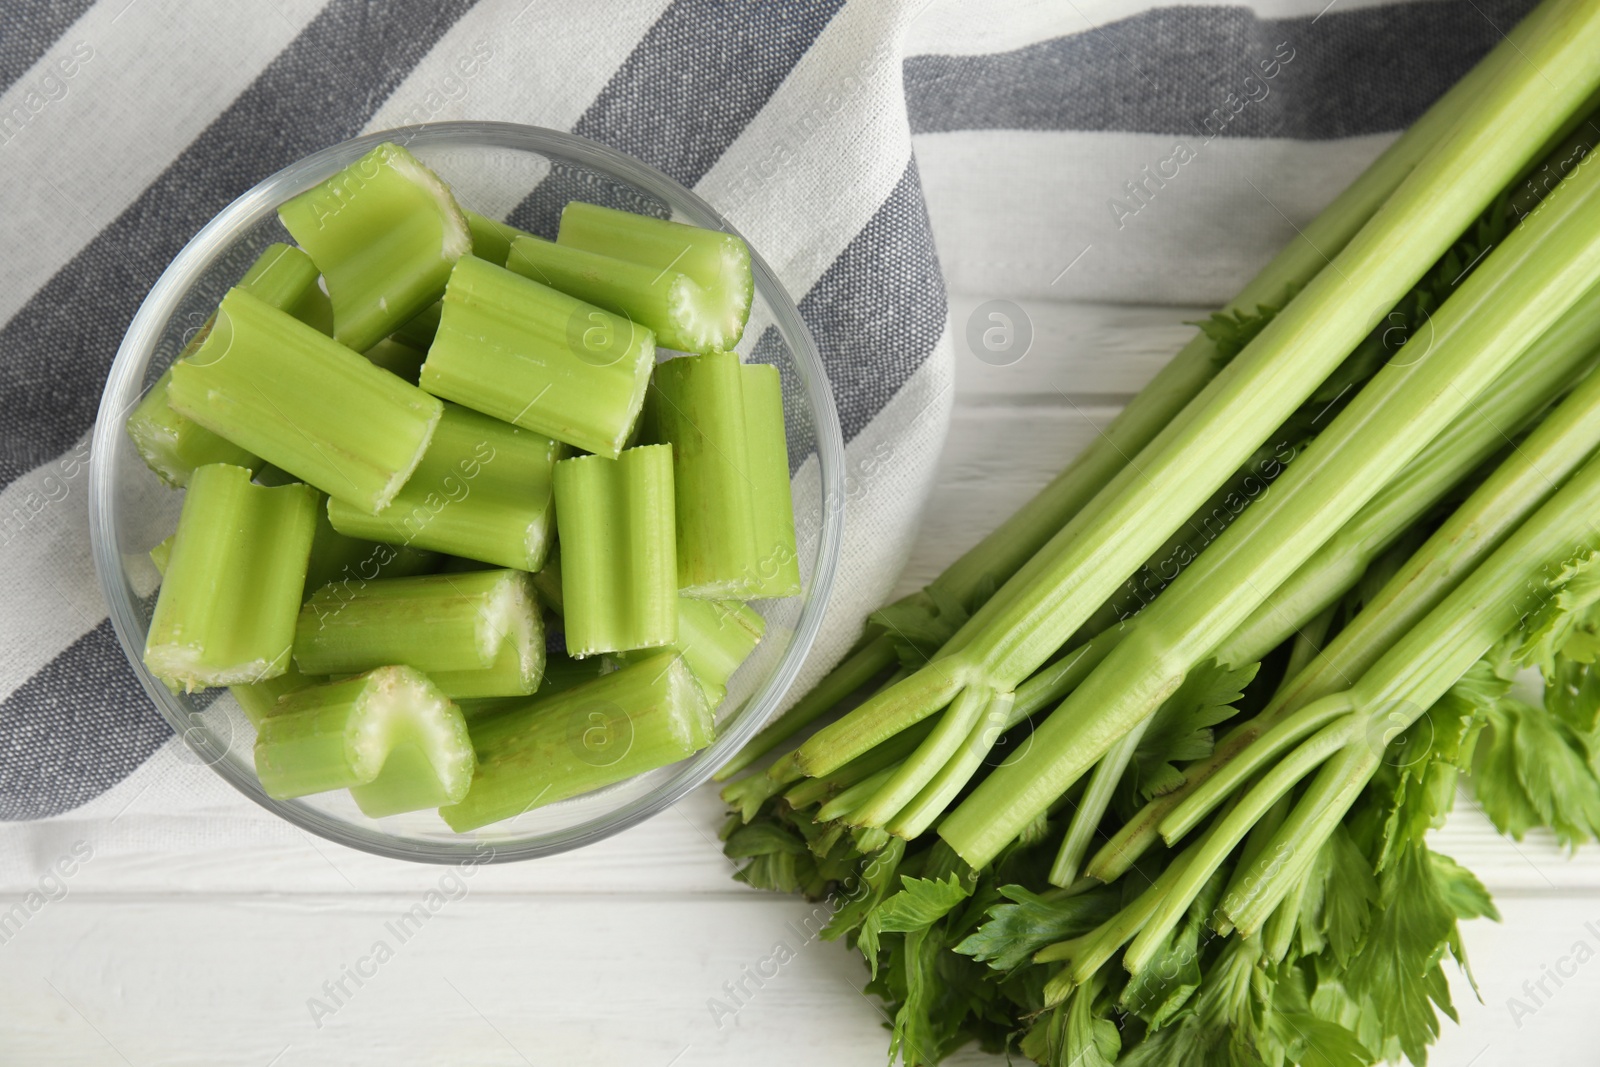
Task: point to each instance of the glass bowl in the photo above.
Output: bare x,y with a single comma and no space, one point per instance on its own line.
492,166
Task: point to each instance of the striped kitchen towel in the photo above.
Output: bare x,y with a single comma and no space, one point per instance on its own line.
891,160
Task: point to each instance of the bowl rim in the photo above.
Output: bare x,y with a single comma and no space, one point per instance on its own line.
124,386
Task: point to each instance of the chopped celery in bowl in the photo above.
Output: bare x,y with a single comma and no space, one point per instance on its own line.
426,482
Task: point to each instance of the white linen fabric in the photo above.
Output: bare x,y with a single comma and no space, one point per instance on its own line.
886,157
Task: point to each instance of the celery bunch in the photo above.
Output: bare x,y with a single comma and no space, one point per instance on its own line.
1136,783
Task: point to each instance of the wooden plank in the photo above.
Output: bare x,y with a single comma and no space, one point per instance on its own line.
1056,353
510,980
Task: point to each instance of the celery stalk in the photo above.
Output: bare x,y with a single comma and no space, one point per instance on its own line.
767,451
1520,290
385,232
858,668
1412,674
225,613
389,736
547,581
491,239
633,720
161,554
706,310
714,638
172,445
305,403
476,635
1566,438
350,561
1497,415
529,355
619,585
730,465
670,303
398,358
259,699
982,569
482,491
420,331
696,404
1048,598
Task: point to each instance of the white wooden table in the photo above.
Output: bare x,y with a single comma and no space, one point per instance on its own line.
222,955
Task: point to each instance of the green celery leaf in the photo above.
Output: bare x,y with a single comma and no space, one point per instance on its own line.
1397,969
1572,691
920,625
863,892
1181,728
1157,993
1545,631
1316,1042
1555,775
1495,781
920,903
1340,893
763,839
1015,931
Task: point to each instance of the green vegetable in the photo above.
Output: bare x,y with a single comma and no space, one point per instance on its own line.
692,286
1432,536
1521,289
1046,601
305,403
226,610
973,578
385,233
767,452
537,358
627,722
400,359
482,490
351,561
714,638
477,634
172,445
389,736
619,587
259,699
491,239
735,515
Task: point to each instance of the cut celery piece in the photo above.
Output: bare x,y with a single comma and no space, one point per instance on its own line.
389,736
491,239
714,638
226,610
708,313
529,355
385,232
667,301
482,491
619,586
561,672
160,554
476,635
731,469
624,723
419,332
350,561
272,384
172,445
696,405
398,358
547,582
259,699
777,572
